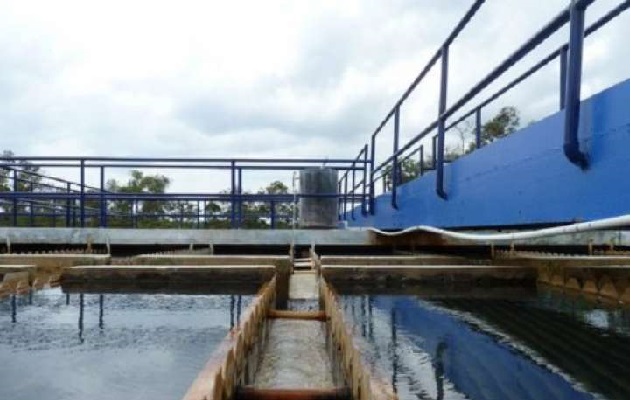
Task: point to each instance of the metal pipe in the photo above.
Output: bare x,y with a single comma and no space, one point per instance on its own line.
103,205
395,163
478,128
372,175
15,199
232,193
563,76
606,223
353,193
82,192
364,182
440,145
571,146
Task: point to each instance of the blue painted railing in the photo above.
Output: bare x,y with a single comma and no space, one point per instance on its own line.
41,199
570,59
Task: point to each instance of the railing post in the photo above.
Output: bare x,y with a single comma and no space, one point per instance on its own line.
395,158
15,199
478,128
240,200
353,193
68,205
103,208
365,174
339,200
421,161
440,144
199,209
434,152
571,146
563,76
232,192
82,194
30,205
272,214
345,192
372,175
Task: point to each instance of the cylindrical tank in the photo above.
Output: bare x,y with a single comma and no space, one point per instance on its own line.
318,212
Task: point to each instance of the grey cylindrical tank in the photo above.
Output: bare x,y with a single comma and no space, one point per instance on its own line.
318,212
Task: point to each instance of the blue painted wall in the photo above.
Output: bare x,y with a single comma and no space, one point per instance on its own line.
525,178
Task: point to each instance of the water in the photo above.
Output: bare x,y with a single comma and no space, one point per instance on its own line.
114,346
540,345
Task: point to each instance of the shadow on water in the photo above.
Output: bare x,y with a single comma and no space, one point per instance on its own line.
537,346
69,346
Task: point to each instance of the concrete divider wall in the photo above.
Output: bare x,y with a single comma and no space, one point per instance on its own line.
233,362
363,384
54,263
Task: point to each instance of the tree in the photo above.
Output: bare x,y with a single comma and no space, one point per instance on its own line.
284,211
505,122
408,170
152,210
28,180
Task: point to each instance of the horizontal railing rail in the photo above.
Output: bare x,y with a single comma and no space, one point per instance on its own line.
569,56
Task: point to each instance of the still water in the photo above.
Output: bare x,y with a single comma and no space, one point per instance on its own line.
540,345
115,346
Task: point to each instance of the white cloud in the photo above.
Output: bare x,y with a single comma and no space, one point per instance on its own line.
268,79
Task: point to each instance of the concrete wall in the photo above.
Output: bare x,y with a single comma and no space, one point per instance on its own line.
525,178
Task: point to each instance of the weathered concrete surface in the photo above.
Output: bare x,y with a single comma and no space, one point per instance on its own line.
6,269
295,356
52,263
198,259
444,274
14,281
113,236
550,260
303,286
162,287
606,281
281,263
421,259
191,273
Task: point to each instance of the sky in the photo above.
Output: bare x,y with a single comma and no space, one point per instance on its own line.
261,79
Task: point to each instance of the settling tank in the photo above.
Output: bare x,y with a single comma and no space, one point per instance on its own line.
318,212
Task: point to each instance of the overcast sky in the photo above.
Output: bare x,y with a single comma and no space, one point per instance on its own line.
259,78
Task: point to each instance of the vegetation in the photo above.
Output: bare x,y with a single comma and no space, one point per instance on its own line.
505,122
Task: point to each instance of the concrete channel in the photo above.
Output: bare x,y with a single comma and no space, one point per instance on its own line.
293,341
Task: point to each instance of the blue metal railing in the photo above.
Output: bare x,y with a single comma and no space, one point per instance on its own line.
570,59
37,196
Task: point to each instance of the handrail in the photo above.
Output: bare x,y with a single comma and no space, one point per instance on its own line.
569,85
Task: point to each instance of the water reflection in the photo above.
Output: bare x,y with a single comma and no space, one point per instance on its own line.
14,309
152,346
101,300
81,306
491,348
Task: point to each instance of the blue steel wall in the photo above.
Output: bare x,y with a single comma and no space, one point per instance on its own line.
525,178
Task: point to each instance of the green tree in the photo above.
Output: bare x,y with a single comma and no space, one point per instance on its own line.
284,211
149,213
408,170
505,122
29,180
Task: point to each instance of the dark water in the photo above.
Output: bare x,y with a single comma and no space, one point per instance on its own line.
117,346
540,345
